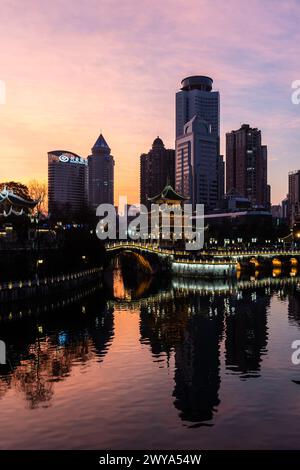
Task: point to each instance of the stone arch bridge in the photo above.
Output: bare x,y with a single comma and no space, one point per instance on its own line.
217,263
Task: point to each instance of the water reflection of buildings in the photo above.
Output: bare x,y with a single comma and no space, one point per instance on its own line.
197,362
190,322
46,350
246,331
294,305
193,321
191,329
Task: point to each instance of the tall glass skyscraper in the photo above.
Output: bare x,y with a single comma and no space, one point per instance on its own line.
199,165
197,98
67,183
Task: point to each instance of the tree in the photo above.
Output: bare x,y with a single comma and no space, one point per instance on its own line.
38,190
19,189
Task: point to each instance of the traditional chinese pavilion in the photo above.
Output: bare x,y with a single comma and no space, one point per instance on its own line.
11,203
171,216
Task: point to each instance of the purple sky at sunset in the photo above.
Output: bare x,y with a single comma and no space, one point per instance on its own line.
73,69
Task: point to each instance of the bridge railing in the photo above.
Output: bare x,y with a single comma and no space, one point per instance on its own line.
143,246
215,253
178,255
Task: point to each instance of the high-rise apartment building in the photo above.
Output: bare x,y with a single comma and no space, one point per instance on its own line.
199,165
294,197
101,174
67,183
157,169
246,165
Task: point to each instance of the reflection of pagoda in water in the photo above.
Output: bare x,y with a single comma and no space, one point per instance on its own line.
42,358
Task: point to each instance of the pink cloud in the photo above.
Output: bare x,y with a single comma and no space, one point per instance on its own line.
73,68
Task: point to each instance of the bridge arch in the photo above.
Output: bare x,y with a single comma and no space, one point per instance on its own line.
142,261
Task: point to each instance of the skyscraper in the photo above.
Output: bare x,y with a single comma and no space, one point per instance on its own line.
199,165
101,174
246,165
157,169
294,197
67,183
197,98
199,169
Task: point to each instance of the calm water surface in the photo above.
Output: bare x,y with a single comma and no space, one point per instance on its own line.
190,365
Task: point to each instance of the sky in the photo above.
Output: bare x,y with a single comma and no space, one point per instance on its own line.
73,69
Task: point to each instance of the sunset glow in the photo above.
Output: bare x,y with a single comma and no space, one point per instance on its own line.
74,69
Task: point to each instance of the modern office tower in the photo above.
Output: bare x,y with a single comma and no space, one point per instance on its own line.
197,98
157,169
199,168
101,174
67,183
246,165
198,120
294,197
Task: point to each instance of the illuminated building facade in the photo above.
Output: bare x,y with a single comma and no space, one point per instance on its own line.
67,183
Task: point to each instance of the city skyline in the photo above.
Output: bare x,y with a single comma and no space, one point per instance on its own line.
59,94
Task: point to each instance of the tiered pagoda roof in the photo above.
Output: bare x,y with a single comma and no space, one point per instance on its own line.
11,203
167,195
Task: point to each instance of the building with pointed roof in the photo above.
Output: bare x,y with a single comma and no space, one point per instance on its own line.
100,146
101,174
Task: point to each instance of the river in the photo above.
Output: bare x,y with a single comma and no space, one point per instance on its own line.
177,363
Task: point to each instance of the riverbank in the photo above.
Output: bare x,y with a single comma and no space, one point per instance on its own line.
38,287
